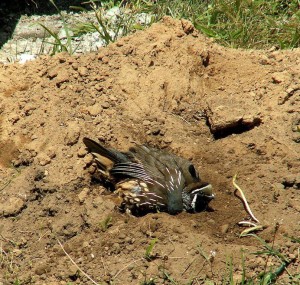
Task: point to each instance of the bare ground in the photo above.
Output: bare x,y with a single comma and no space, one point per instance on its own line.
229,111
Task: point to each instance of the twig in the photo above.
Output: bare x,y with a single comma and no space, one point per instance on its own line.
253,226
9,181
252,229
134,261
243,198
2,251
86,275
189,265
246,223
7,240
104,266
180,117
173,246
44,235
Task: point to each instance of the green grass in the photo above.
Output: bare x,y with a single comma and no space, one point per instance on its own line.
106,223
269,275
236,23
149,250
252,24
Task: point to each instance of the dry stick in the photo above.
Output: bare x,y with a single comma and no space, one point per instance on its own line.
104,266
44,235
246,223
189,265
127,267
243,198
134,261
254,226
173,247
86,275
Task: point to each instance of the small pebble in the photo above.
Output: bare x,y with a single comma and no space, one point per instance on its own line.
82,152
83,71
73,134
94,110
43,159
12,206
83,194
105,105
224,228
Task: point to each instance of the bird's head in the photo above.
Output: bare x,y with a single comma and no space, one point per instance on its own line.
196,196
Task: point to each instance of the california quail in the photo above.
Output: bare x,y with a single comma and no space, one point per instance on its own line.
149,179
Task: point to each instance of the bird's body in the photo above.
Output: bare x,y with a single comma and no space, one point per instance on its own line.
149,179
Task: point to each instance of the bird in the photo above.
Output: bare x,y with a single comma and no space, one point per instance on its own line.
148,179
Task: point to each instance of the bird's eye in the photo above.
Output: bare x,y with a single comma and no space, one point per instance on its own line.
193,171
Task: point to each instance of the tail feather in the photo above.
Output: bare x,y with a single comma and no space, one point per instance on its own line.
105,157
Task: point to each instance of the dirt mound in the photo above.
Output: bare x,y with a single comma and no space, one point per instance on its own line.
229,111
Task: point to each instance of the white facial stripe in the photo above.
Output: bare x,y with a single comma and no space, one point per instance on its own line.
196,191
193,204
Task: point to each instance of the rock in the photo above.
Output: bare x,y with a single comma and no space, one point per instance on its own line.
12,206
72,270
264,60
187,26
94,110
62,76
43,159
116,248
105,59
73,134
82,152
168,140
99,87
83,194
281,77
146,123
224,228
52,73
295,205
83,71
13,118
51,152
278,186
28,108
42,269
105,105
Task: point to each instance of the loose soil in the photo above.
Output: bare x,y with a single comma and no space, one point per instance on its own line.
229,111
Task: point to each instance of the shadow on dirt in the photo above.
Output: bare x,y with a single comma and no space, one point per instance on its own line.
10,13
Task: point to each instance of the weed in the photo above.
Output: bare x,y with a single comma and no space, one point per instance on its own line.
269,275
106,223
118,22
167,277
60,44
148,254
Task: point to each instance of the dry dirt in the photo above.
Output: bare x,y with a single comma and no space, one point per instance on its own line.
229,111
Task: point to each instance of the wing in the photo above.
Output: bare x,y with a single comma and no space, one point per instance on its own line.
131,169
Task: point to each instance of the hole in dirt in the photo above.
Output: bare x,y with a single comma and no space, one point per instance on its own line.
74,277
237,127
291,184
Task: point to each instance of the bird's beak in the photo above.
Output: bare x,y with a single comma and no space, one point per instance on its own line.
205,191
